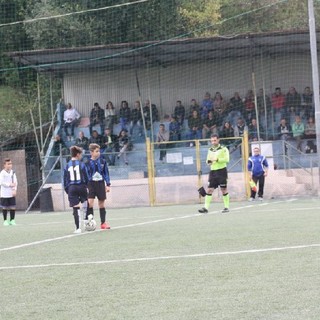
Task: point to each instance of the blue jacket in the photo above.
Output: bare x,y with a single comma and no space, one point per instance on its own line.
256,164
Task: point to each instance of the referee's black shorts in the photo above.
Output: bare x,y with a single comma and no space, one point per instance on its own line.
97,189
218,178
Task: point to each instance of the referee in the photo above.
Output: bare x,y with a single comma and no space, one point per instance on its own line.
217,159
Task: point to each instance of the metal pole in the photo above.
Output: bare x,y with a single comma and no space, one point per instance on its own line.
315,72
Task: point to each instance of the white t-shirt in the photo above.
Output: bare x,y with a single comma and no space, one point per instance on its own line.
6,178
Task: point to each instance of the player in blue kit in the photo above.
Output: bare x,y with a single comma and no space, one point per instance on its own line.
258,167
75,180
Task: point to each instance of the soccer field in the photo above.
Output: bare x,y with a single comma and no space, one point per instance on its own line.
260,261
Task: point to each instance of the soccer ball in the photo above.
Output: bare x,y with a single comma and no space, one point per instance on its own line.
90,224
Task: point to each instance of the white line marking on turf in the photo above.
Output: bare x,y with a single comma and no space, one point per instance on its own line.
187,256
24,245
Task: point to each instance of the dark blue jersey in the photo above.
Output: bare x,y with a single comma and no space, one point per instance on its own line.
75,173
98,170
257,165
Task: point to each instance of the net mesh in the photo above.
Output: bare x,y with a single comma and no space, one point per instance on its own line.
163,60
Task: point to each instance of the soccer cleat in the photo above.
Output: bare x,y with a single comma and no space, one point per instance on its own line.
203,210
260,199
77,231
90,217
225,210
12,222
105,226
251,199
6,223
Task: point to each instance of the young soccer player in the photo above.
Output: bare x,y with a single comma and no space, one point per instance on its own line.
8,183
75,180
217,159
99,183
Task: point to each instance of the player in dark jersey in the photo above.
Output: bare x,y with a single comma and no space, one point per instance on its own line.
99,183
75,180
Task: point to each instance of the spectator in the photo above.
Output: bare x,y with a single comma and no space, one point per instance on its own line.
124,115
206,105
249,105
220,114
284,132
136,119
96,138
236,107
124,145
227,132
278,102
307,105
293,102
240,128
195,127
110,115
193,106
174,130
264,110
310,129
179,112
209,126
298,132
82,141
71,118
110,146
58,146
162,137
253,131
96,117
218,102
150,113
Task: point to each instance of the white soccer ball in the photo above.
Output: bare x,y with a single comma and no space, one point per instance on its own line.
90,225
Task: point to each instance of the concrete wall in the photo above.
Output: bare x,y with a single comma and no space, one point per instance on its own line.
186,81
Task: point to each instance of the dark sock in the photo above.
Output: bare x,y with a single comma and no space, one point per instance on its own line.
5,214
89,211
102,215
76,212
12,214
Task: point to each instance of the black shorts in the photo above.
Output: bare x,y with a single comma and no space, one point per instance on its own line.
97,189
8,203
77,193
218,178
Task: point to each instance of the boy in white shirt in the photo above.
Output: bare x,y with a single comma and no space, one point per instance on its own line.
71,117
8,183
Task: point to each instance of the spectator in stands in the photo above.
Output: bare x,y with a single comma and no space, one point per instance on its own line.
71,118
221,115
124,145
240,128
219,102
195,127
206,105
278,102
124,114
110,116
227,132
82,141
293,102
96,117
162,137
253,131
310,129
110,146
249,105
96,138
209,126
193,106
174,130
307,105
264,110
236,107
284,132
58,146
298,132
179,112
150,113
136,119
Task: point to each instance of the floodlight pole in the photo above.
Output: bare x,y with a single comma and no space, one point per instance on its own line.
315,74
